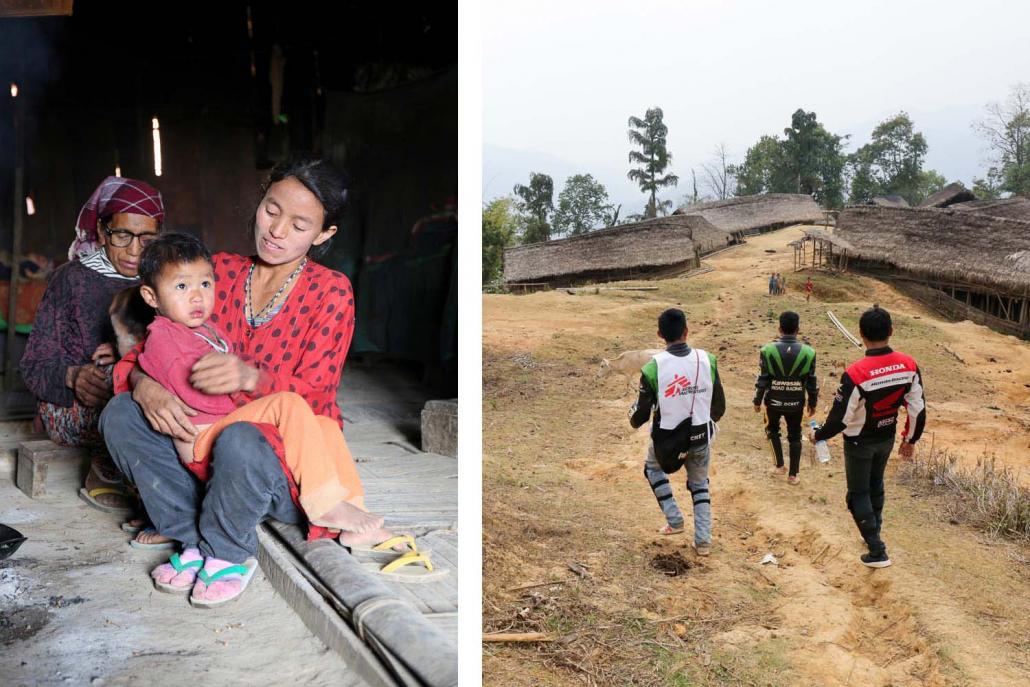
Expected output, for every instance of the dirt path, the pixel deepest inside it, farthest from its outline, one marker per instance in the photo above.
(563, 484)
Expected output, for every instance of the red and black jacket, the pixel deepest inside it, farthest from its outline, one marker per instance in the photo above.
(871, 391)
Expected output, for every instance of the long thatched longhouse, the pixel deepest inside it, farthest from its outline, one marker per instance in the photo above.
(1012, 208)
(653, 248)
(966, 264)
(949, 195)
(748, 215)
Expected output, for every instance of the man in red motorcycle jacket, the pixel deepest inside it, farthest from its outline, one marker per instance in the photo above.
(865, 410)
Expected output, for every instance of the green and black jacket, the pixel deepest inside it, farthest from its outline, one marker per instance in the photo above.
(787, 375)
(647, 398)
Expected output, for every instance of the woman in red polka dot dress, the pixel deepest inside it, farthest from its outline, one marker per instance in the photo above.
(289, 322)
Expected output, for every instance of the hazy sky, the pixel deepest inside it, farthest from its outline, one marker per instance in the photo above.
(560, 79)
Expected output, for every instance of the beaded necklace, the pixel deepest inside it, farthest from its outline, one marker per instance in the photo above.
(253, 318)
(216, 341)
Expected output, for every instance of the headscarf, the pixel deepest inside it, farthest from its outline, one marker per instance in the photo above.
(115, 194)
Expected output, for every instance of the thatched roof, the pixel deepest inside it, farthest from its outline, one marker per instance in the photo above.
(960, 246)
(614, 253)
(891, 201)
(949, 195)
(751, 214)
(1016, 207)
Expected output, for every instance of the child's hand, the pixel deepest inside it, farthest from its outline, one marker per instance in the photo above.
(104, 355)
(223, 373)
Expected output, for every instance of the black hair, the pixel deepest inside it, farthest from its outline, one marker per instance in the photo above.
(129, 308)
(173, 248)
(671, 324)
(875, 324)
(329, 184)
(789, 321)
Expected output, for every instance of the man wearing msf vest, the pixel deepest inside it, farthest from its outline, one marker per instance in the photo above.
(683, 389)
(786, 375)
(865, 409)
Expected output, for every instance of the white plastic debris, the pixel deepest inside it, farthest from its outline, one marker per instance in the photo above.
(769, 559)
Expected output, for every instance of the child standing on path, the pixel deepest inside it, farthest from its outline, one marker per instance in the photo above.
(809, 286)
(682, 387)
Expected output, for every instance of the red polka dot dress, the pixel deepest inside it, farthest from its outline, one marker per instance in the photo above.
(303, 347)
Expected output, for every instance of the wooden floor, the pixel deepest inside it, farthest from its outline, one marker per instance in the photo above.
(416, 492)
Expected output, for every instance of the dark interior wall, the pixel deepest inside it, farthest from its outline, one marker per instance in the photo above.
(91, 83)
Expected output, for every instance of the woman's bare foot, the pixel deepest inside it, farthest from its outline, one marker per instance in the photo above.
(345, 516)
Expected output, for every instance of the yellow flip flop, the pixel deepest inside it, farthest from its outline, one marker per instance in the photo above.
(414, 566)
(90, 497)
(387, 545)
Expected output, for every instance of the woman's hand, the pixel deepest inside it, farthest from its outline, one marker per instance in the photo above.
(104, 355)
(165, 411)
(91, 386)
(223, 373)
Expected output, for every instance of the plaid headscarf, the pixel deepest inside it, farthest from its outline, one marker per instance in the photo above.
(115, 194)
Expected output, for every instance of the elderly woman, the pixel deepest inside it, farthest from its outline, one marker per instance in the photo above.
(289, 322)
(67, 361)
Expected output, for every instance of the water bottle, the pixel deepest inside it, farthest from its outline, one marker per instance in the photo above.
(822, 451)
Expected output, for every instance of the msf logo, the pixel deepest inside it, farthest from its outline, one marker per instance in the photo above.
(677, 387)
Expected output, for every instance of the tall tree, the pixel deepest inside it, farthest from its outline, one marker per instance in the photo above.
(763, 170)
(809, 159)
(719, 176)
(649, 135)
(1006, 129)
(891, 163)
(814, 159)
(989, 187)
(499, 225)
(536, 203)
(582, 205)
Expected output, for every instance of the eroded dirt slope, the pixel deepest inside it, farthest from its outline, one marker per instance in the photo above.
(563, 485)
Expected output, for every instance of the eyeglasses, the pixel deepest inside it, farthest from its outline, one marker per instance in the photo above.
(122, 238)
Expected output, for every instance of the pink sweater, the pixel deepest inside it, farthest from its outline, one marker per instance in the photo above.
(169, 353)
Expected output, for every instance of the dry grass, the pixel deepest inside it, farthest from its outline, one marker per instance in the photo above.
(987, 496)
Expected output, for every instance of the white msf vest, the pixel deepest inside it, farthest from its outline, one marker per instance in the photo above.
(685, 388)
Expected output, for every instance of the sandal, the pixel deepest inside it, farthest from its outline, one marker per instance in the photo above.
(245, 569)
(155, 546)
(179, 566)
(794, 480)
(387, 547)
(105, 480)
(129, 527)
(90, 497)
(413, 566)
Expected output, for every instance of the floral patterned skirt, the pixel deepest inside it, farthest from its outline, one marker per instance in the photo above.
(75, 425)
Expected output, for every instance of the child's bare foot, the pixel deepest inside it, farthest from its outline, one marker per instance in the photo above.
(345, 516)
(150, 536)
(371, 538)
